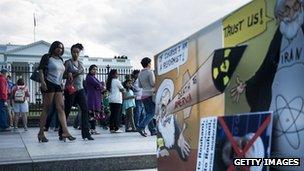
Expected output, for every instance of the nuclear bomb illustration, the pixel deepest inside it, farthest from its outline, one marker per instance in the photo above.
(211, 79)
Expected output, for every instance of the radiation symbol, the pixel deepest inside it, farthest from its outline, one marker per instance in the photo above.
(224, 64)
(224, 68)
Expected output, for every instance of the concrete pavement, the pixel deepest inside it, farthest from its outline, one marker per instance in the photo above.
(119, 151)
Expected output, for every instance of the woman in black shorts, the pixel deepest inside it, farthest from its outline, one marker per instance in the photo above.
(51, 69)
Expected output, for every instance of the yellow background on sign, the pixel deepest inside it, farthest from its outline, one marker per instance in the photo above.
(252, 59)
(246, 23)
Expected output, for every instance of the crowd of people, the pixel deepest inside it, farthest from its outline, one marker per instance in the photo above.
(64, 85)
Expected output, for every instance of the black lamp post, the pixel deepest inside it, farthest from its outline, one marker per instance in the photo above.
(108, 69)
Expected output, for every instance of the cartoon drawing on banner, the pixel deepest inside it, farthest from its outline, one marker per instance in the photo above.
(246, 23)
(172, 58)
(171, 135)
(278, 84)
(186, 111)
(200, 86)
(204, 84)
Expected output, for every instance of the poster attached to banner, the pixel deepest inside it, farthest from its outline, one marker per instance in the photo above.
(172, 58)
(224, 138)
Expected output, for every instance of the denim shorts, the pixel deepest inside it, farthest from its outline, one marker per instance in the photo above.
(21, 108)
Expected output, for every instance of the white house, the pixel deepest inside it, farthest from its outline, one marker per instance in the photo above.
(21, 60)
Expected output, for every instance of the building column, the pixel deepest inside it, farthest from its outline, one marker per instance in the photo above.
(9, 66)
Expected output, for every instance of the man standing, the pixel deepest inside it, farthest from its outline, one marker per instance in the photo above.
(138, 111)
(3, 101)
(146, 82)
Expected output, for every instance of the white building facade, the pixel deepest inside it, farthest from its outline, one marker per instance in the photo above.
(21, 60)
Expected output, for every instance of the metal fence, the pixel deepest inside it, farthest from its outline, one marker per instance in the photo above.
(35, 103)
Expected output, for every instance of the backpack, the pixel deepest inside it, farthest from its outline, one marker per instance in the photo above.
(19, 96)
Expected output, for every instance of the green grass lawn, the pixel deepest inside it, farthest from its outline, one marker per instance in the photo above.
(36, 113)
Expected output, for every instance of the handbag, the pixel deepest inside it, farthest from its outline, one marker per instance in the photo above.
(35, 76)
(70, 88)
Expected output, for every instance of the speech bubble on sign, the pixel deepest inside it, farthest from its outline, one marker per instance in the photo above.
(172, 58)
(245, 23)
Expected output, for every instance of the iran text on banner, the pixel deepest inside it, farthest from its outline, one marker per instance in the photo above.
(225, 137)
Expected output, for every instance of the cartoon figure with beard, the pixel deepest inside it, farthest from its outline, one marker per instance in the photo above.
(170, 133)
(278, 85)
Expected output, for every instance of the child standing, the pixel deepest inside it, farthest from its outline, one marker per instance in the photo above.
(20, 103)
(105, 111)
(128, 106)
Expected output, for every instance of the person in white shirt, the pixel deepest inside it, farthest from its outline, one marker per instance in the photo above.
(115, 89)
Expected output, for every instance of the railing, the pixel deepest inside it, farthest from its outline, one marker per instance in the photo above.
(35, 103)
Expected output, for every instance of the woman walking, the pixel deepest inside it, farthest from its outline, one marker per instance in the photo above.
(74, 91)
(115, 89)
(51, 71)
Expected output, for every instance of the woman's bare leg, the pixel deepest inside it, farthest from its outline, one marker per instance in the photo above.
(61, 115)
(47, 104)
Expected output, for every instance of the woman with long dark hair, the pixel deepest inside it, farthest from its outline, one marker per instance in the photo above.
(94, 89)
(51, 71)
(74, 72)
(115, 89)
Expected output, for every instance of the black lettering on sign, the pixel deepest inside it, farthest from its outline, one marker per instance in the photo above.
(292, 55)
(255, 18)
(298, 53)
(234, 28)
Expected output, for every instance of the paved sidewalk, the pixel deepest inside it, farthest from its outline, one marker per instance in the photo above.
(23, 147)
